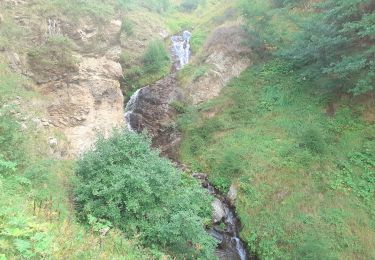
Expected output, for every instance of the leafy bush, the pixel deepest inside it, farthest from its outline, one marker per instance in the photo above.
(156, 57)
(126, 183)
(10, 137)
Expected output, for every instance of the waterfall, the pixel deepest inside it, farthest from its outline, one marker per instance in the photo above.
(181, 54)
(181, 49)
(240, 248)
(130, 108)
(227, 231)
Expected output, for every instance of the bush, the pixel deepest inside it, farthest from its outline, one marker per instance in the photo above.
(126, 184)
(156, 57)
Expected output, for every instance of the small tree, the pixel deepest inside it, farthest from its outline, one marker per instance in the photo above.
(126, 183)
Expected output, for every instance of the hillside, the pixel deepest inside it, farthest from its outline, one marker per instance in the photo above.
(261, 146)
(294, 137)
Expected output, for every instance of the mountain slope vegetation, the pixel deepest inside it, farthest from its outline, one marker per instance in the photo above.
(294, 132)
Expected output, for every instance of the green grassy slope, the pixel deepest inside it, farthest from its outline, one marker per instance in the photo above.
(306, 180)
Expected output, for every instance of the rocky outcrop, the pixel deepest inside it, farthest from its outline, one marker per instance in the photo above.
(88, 104)
(73, 65)
(152, 111)
(89, 101)
(226, 57)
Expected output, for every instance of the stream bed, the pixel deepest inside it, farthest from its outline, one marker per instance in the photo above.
(150, 109)
(226, 227)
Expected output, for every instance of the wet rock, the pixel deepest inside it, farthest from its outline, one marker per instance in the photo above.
(218, 235)
(218, 211)
(149, 110)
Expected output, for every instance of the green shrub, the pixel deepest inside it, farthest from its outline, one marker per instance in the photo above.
(199, 72)
(10, 137)
(156, 57)
(126, 184)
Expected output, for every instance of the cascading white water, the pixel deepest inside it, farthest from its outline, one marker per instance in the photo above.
(130, 107)
(180, 53)
(181, 49)
(240, 248)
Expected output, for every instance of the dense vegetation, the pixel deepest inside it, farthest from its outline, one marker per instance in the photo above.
(290, 133)
(125, 184)
(334, 39)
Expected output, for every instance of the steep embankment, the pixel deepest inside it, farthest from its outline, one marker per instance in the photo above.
(301, 155)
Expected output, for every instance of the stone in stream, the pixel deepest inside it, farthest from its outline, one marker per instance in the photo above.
(219, 211)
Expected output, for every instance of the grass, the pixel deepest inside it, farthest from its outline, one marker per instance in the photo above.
(99, 10)
(306, 180)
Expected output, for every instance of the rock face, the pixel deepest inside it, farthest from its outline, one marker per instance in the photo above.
(226, 58)
(152, 111)
(88, 104)
(86, 100)
(89, 101)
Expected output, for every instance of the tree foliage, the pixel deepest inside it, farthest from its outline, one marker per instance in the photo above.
(334, 39)
(126, 183)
